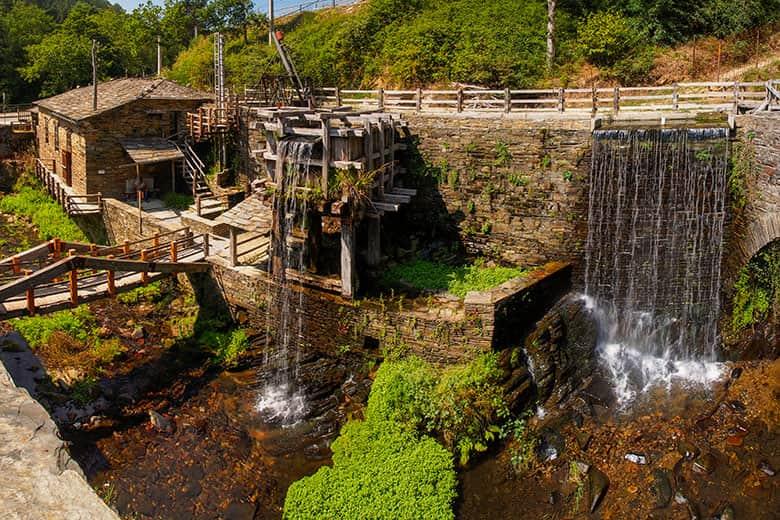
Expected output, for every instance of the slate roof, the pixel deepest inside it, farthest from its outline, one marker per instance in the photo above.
(149, 150)
(76, 104)
(252, 214)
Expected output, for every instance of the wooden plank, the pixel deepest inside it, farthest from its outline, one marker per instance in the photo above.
(38, 277)
(139, 267)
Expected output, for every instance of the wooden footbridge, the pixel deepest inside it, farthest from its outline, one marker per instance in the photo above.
(57, 274)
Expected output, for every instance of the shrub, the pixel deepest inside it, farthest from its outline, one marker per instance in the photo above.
(32, 202)
(606, 37)
(76, 323)
(757, 288)
(226, 347)
(462, 405)
(380, 471)
(148, 293)
(177, 200)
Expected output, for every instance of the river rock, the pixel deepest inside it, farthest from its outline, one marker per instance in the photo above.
(727, 513)
(597, 487)
(160, 423)
(736, 372)
(705, 463)
(737, 406)
(138, 333)
(687, 450)
(583, 439)
(240, 511)
(766, 468)
(661, 488)
(636, 458)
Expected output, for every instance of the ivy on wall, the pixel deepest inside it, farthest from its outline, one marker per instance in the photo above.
(743, 167)
(757, 289)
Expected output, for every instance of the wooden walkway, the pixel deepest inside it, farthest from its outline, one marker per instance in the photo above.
(66, 196)
(58, 275)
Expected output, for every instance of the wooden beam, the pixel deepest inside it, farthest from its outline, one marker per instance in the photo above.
(139, 267)
(348, 267)
(38, 277)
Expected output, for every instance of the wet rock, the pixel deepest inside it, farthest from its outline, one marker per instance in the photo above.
(138, 333)
(597, 487)
(191, 489)
(705, 424)
(736, 372)
(577, 419)
(734, 440)
(240, 511)
(583, 439)
(737, 406)
(582, 467)
(661, 488)
(554, 498)
(687, 450)
(160, 423)
(705, 463)
(551, 445)
(766, 468)
(727, 513)
(679, 498)
(636, 458)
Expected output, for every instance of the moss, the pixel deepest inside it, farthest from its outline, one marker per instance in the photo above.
(146, 293)
(743, 167)
(757, 289)
(177, 200)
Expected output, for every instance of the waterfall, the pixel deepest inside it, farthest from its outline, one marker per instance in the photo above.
(281, 401)
(653, 254)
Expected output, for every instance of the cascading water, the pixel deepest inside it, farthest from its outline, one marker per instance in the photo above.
(280, 400)
(653, 255)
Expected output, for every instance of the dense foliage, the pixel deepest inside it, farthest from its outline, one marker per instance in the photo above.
(380, 471)
(757, 289)
(458, 280)
(31, 201)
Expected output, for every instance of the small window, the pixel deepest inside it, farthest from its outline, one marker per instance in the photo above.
(56, 135)
(46, 130)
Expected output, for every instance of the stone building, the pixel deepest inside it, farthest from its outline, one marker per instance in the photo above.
(132, 133)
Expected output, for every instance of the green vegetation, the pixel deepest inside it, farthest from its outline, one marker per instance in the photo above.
(503, 155)
(743, 167)
(38, 330)
(380, 471)
(32, 202)
(177, 200)
(145, 293)
(458, 280)
(461, 405)
(757, 289)
(226, 347)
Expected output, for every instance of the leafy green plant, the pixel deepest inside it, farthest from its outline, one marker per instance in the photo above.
(108, 350)
(568, 176)
(503, 154)
(486, 228)
(31, 201)
(471, 207)
(37, 330)
(743, 167)
(452, 179)
(144, 293)
(546, 162)
(226, 347)
(177, 201)
(83, 390)
(517, 179)
(757, 288)
(380, 471)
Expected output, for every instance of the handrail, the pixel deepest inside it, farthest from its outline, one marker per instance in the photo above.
(689, 96)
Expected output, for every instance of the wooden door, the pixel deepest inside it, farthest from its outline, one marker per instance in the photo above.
(67, 160)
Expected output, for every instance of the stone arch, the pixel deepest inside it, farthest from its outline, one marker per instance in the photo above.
(759, 234)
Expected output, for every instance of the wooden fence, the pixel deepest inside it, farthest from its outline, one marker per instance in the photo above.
(72, 204)
(678, 97)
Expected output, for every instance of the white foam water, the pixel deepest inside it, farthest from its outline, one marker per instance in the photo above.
(281, 404)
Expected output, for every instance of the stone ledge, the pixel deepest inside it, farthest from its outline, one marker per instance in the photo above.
(38, 479)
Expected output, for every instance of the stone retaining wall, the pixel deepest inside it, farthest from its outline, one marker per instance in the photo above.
(38, 479)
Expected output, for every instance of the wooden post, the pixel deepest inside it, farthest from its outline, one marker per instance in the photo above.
(111, 280)
(174, 252)
(338, 96)
(561, 99)
(616, 100)
(57, 248)
(460, 100)
(374, 247)
(139, 195)
(595, 99)
(205, 245)
(126, 247)
(325, 155)
(676, 97)
(30, 296)
(347, 258)
(15, 264)
(156, 239)
(234, 248)
(381, 100)
(197, 204)
(92, 250)
(419, 99)
(100, 200)
(507, 100)
(73, 283)
(736, 97)
(144, 274)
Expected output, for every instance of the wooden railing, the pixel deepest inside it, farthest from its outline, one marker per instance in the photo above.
(208, 120)
(58, 270)
(19, 117)
(72, 203)
(678, 97)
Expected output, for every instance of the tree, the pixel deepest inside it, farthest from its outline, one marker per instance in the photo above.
(21, 25)
(550, 34)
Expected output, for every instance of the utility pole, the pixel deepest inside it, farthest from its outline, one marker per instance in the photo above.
(159, 57)
(270, 22)
(550, 34)
(94, 75)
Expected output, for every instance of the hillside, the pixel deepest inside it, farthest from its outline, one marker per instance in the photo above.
(395, 43)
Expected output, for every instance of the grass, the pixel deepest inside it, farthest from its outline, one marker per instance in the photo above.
(458, 280)
(38, 330)
(31, 201)
(177, 200)
(145, 293)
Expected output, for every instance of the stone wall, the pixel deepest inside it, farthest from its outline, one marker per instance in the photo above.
(755, 225)
(121, 223)
(513, 189)
(11, 143)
